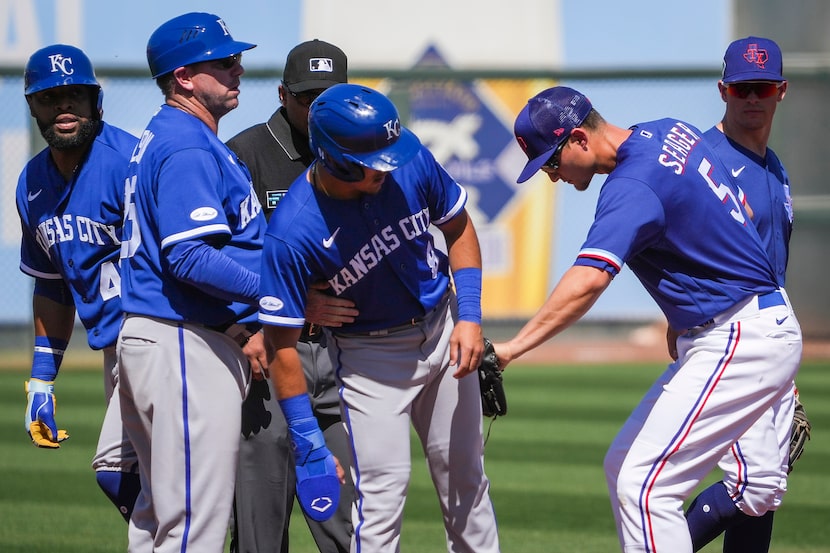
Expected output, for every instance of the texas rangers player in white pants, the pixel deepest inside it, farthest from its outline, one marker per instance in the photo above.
(668, 210)
(756, 468)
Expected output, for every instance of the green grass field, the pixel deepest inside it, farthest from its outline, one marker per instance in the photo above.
(544, 460)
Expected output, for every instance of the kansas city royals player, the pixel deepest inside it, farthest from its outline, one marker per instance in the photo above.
(668, 211)
(69, 200)
(277, 152)
(359, 219)
(191, 247)
(755, 468)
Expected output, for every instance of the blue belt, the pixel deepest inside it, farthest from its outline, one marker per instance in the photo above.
(771, 299)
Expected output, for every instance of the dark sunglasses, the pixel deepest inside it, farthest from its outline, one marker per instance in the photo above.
(760, 89)
(552, 164)
(305, 98)
(229, 62)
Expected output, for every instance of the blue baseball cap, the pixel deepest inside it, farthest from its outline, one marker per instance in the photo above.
(545, 122)
(752, 59)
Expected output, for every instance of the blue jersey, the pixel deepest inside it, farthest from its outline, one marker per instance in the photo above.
(72, 230)
(767, 188)
(670, 212)
(369, 250)
(183, 183)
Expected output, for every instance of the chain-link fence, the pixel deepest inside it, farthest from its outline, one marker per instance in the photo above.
(623, 97)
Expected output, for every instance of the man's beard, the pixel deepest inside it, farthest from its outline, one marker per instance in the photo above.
(86, 130)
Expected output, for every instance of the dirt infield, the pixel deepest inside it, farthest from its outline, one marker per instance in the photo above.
(582, 343)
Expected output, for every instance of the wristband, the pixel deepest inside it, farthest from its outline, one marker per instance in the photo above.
(47, 357)
(468, 293)
(296, 409)
(306, 437)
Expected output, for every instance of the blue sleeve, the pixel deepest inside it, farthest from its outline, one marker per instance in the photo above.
(189, 199)
(54, 289)
(629, 218)
(203, 266)
(284, 285)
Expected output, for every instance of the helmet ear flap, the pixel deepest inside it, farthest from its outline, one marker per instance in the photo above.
(338, 165)
(348, 171)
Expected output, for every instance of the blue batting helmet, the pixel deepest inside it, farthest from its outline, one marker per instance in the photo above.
(58, 65)
(61, 65)
(190, 38)
(352, 126)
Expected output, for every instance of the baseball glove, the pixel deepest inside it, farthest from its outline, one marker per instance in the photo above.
(493, 400)
(800, 432)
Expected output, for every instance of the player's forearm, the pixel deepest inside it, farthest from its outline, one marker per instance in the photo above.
(213, 272)
(52, 319)
(53, 323)
(463, 248)
(285, 367)
(577, 291)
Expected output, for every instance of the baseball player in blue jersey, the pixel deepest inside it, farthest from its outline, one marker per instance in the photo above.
(69, 200)
(191, 248)
(755, 468)
(669, 211)
(359, 219)
(277, 152)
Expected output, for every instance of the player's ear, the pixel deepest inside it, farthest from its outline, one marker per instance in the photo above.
(722, 90)
(579, 137)
(183, 76)
(782, 91)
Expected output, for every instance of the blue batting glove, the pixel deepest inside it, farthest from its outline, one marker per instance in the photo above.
(40, 414)
(318, 488)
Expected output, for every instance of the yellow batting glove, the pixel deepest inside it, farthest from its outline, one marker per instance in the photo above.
(40, 414)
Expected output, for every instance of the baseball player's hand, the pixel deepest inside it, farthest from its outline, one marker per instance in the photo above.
(466, 348)
(40, 414)
(503, 353)
(255, 351)
(326, 310)
(319, 474)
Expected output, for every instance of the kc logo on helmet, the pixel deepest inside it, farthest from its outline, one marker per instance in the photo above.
(224, 27)
(59, 64)
(393, 129)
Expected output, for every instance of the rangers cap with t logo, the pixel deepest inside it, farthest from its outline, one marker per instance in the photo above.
(752, 59)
